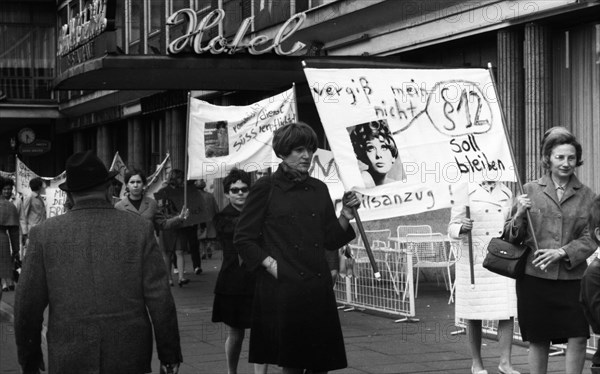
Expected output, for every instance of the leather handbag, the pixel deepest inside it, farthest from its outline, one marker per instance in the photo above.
(505, 258)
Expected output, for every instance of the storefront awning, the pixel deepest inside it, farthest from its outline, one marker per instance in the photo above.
(223, 73)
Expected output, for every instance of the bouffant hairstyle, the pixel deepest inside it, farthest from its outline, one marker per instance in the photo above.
(133, 172)
(553, 138)
(294, 135)
(234, 176)
(361, 134)
(36, 184)
(594, 219)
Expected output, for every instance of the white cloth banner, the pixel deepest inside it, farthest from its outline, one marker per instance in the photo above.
(159, 178)
(411, 139)
(54, 197)
(224, 137)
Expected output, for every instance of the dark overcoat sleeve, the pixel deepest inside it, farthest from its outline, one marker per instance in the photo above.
(159, 301)
(31, 299)
(248, 230)
(335, 236)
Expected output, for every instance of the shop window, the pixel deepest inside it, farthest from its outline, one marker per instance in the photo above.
(134, 20)
(270, 12)
(155, 16)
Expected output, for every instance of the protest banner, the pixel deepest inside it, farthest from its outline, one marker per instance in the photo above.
(55, 197)
(411, 139)
(159, 178)
(118, 165)
(223, 137)
(324, 168)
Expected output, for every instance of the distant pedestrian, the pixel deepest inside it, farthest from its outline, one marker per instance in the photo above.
(9, 239)
(173, 240)
(493, 297)
(207, 232)
(548, 294)
(286, 226)
(235, 284)
(100, 272)
(195, 204)
(590, 283)
(33, 211)
(137, 203)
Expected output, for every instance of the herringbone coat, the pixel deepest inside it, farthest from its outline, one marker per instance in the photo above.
(100, 272)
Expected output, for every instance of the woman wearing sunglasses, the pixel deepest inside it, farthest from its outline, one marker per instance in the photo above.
(235, 284)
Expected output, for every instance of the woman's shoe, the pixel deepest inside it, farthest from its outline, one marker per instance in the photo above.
(181, 282)
(5, 289)
(479, 371)
(11, 287)
(512, 371)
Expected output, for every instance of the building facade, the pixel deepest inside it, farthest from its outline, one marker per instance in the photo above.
(122, 84)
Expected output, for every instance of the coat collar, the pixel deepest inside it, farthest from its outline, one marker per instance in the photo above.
(145, 205)
(550, 189)
(279, 179)
(92, 204)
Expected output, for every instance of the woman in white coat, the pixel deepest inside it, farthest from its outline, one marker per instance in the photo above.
(494, 296)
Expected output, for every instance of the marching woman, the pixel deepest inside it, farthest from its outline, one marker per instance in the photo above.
(286, 226)
(235, 284)
(137, 203)
(9, 238)
(548, 294)
(493, 297)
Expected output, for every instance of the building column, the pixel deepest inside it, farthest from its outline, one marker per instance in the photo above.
(511, 88)
(538, 93)
(175, 122)
(135, 143)
(78, 142)
(103, 146)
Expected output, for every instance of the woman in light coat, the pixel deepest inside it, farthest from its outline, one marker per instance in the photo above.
(548, 304)
(137, 203)
(493, 297)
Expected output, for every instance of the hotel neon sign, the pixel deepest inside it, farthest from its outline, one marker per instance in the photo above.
(258, 45)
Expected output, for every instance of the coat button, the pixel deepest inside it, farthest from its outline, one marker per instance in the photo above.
(305, 188)
(319, 275)
(301, 273)
(313, 214)
(316, 245)
(296, 246)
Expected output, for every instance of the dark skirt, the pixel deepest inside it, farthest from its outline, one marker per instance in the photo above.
(549, 310)
(233, 310)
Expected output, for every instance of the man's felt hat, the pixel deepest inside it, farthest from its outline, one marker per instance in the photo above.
(84, 171)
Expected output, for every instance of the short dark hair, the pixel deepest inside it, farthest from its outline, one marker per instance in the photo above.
(133, 172)
(234, 176)
(6, 182)
(594, 219)
(294, 135)
(362, 133)
(174, 174)
(553, 138)
(36, 184)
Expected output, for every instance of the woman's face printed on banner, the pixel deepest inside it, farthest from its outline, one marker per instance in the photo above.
(375, 150)
(380, 156)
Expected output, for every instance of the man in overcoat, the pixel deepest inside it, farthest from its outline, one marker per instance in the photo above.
(100, 272)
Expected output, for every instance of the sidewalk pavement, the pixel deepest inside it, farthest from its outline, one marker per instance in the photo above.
(374, 343)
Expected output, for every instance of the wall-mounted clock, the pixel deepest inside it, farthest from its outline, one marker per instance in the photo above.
(26, 135)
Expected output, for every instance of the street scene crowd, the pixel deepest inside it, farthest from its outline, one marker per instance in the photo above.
(280, 237)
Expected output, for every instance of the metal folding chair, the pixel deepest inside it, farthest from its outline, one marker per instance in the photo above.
(430, 251)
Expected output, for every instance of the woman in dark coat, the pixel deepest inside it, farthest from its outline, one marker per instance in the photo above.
(548, 295)
(235, 284)
(9, 237)
(284, 230)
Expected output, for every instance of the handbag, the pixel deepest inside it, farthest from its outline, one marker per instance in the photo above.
(505, 258)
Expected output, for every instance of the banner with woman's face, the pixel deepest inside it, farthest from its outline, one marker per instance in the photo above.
(409, 139)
